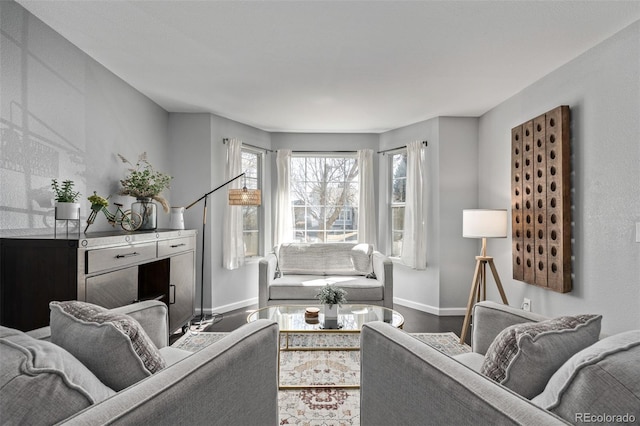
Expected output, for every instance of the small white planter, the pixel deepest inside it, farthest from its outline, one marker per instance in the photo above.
(330, 316)
(67, 211)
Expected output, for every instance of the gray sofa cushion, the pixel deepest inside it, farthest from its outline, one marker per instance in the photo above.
(37, 370)
(523, 357)
(306, 287)
(601, 379)
(113, 346)
(324, 259)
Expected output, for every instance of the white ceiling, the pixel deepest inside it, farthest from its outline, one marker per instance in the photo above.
(333, 66)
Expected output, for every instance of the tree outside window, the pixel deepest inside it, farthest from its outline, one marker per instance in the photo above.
(251, 164)
(324, 196)
(398, 198)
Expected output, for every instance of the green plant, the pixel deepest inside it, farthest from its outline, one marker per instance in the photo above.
(332, 295)
(64, 192)
(144, 182)
(97, 202)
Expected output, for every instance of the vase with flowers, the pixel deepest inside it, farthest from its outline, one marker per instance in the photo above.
(331, 297)
(145, 184)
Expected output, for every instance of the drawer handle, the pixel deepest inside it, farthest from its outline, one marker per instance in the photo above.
(178, 245)
(172, 287)
(121, 256)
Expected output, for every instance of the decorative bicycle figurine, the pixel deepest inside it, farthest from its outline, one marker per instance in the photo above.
(128, 220)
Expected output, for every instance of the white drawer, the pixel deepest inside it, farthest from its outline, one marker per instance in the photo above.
(118, 257)
(176, 245)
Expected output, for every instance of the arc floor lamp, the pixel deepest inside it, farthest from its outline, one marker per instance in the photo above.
(237, 197)
(482, 223)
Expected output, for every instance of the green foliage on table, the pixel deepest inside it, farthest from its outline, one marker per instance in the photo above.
(332, 295)
(64, 192)
(145, 182)
(97, 202)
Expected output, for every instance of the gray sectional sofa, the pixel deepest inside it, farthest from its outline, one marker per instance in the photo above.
(231, 382)
(406, 382)
(295, 272)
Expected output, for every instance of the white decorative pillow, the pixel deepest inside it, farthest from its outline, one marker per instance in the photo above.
(361, 258)
(37, 370)
(603, 378)
(114, 347)
(524, 356)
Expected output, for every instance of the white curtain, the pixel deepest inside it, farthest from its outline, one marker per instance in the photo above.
(284, 219)
(414, 244)
(366, 206)
(232, 241)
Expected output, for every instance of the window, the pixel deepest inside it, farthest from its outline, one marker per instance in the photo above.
(398, 198)
(324, 196)
(251, 215)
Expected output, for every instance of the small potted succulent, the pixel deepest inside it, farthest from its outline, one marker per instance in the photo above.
(331, 297)
(67, 207)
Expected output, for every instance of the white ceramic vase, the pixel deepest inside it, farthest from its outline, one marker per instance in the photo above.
(67, 211)
(176, 220)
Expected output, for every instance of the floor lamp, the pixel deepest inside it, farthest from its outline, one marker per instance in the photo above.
(237, 197)
(480, 223)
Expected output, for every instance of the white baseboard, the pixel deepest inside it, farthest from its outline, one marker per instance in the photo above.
(442, 312)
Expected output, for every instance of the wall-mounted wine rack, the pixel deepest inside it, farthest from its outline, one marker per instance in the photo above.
(541, 200)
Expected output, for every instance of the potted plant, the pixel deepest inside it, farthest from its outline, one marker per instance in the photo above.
(331, 297)
(67, 207)
(146, 184)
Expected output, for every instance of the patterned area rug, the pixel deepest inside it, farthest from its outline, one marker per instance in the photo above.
(322, 406)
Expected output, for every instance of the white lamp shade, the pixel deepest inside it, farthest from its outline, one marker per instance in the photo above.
(484, 223)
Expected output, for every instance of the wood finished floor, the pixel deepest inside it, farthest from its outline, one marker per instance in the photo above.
(414, 322)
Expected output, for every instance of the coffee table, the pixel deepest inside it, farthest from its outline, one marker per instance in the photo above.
(291, 318)
(351, 318)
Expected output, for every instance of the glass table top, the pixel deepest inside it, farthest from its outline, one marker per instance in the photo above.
(350, 317)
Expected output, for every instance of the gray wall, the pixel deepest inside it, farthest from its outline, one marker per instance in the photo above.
(602, 88)
(452, 171)
(199, 157)
(64, 116)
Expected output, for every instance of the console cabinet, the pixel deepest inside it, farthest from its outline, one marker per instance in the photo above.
(109, 269)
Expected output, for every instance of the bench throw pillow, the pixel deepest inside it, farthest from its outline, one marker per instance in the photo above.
(603, 379)
(41, 383)
(523, 357)
(113, 346)
(361, 258)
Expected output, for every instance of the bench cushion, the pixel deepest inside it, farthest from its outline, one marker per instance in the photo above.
(306, 287)
(325, 259)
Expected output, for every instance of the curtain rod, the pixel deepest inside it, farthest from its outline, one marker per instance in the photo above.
(319, 151)
(400, 147)
(225, 140)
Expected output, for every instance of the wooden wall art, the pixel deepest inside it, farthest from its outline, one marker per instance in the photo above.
(541, 200)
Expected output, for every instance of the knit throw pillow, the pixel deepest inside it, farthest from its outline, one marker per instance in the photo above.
(113, 346)
(523, 357)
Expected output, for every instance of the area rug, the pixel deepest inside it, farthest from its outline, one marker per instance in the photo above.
(322, 406)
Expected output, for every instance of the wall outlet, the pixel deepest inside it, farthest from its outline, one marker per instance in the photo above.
(526, 305)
